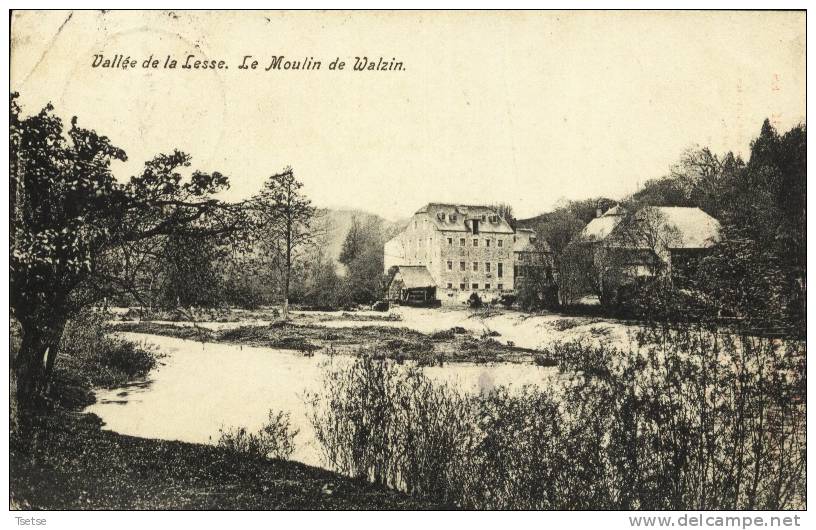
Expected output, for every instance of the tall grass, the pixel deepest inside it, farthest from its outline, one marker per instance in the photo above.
(697, 421)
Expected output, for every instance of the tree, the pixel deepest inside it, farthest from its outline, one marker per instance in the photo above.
(362, 254)
(699, 179)
(537, 289)
(323, 288)
(577, 274)
(283, 225)
(69, 217)
(189, 265)
(354, 243)
(587, 209)
(561, 227)
(553, 236)
(637, 248)
(764, 234)
(506, 211)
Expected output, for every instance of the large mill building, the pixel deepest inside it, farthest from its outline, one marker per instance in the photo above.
(449, 251)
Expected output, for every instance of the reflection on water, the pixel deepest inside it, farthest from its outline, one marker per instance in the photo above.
(199, 388)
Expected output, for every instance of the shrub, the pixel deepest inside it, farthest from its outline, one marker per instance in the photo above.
(543, 360)
(475, 301)
(563, 324)
(275, 439)
(104, 360)
(697, 421)
(444, 334)
(391, 425)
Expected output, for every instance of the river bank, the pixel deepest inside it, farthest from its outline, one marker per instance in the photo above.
(72, 464)
(67, 461)
(339, 334)
(516, 329)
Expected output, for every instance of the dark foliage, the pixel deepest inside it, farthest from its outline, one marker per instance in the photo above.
(697, 421)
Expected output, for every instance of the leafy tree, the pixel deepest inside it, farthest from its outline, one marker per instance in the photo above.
(68, 219)
(698, 179)
(577, 273)
(506, 211)
(561, 227)
(355, 242)
(758, 271)
(554, 231)
(587, 209)
(666, 191)
(245, 281)
(323, 287)
(537, 290)
(191, 274)
(362, 254)
(744, 280)
(283, 225)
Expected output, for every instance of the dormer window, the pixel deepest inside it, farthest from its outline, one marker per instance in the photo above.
(452, 217)
(440, 216)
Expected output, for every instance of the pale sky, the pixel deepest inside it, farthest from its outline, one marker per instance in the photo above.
(524, 108)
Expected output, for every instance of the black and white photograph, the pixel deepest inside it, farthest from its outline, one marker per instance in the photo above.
(408, 260)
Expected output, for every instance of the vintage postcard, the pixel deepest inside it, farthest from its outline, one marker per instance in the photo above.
(408, 260)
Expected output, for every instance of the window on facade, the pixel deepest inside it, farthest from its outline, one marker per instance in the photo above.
(461, 265)
(499, 270)
(461, 286)
(450, 241)
(487, 266)
(500, 287)
(475, 266)
(487, 242)
(462, 242)
(487, 287)
(450, 285)
(500, 242)
(515, 270)
(450, 265)
(475, 286)
(475, 241)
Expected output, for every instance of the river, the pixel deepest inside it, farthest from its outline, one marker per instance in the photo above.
(201, 387)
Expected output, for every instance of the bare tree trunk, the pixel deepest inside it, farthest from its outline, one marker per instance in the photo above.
(286, 292)
(52, 352)
(35, 360)
(29, 367)
(288, 273)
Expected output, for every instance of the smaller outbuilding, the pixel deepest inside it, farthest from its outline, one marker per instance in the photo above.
(412, 285)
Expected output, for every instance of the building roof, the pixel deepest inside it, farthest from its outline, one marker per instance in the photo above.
(615, 210)
(695, 228)
(600, 227)
(440, 215)
(413, 276)
(525, 241)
